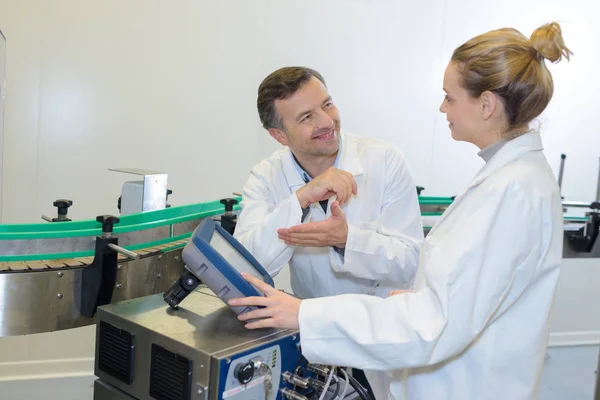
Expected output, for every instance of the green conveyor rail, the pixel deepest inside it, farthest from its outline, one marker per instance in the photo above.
(575, 219)
(128, 223)
(141, 221)
(435, 201)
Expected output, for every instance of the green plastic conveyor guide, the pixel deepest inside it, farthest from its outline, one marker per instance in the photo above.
(148, 220)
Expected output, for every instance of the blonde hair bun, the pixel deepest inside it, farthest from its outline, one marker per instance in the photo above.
(547, 40)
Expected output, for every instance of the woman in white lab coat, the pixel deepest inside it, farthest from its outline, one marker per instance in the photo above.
(476, 325)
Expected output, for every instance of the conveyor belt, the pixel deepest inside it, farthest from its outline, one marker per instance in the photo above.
(81, 262)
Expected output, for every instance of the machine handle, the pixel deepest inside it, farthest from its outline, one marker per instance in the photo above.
(63, 206)
(124, 251)
(107, 222)
(229, 203)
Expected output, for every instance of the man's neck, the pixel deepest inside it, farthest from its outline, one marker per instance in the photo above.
(315, 166)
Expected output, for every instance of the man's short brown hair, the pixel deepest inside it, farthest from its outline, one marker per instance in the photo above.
(279, 85)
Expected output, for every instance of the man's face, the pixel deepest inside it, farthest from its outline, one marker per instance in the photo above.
(311, 121)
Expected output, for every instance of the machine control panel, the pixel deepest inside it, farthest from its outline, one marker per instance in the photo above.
(253, 376)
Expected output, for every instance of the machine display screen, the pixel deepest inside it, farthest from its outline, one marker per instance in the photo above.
(233, 257)
(218, 259)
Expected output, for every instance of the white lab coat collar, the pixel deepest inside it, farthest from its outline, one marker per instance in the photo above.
(512, 150)
(349, 162)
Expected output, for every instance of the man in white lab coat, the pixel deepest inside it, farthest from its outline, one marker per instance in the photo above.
(341, 209)
(477, 323)
(364, 240)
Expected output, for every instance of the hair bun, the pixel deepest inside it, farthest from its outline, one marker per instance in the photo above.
(547, 40)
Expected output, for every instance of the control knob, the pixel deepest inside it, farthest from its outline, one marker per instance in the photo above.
(244, 372)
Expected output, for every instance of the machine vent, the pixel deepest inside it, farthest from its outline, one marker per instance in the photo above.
(115, 352)
(170, 375)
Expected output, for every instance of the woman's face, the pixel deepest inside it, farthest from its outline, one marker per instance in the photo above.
(462, 111)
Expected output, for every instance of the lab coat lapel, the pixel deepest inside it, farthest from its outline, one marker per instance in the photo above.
(350, 160)
(511, 151)
(292, 176)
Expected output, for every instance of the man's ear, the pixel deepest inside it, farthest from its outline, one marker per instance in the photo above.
(279, 135)
(489, 104)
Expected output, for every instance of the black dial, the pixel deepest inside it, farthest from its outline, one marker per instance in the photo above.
(244, 372)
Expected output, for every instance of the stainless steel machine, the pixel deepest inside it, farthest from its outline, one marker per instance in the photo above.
(147, 350)
(159, 347)
(53, 276)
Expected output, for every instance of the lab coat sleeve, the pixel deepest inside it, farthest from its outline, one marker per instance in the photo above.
(472, 277)
(387, 248)
(259, 220)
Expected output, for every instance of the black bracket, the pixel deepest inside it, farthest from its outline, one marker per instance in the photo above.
(183, 286)
(229, 219)
(584, 239)
(98, 279)
(169, 192)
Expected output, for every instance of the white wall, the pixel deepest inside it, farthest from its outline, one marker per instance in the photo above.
(172, 86)
(568, 125)
(2, 83)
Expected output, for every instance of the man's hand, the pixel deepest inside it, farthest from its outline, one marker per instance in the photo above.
(331, 232)
(331, 182)
(280, 309)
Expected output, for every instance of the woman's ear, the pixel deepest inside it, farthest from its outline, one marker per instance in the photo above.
(489, 103)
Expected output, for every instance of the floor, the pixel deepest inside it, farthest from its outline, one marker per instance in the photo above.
(569, 373)
(71, 388)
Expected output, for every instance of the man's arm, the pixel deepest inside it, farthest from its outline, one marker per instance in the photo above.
(388, 247)
(259, 220)
(262, 217)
